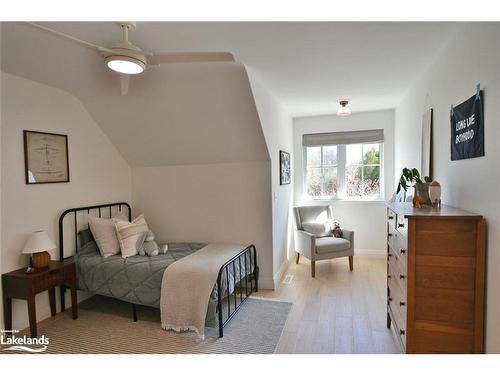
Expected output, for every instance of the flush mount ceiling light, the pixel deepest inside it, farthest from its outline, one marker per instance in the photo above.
(344, 110)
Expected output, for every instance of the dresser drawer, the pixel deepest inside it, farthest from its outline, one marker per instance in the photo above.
(401, 224)
(391, 219)
(397, 278)
(398, 309)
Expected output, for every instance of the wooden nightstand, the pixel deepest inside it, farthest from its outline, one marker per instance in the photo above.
(21, 285)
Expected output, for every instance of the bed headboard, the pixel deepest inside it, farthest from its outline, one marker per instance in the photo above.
(102, 210)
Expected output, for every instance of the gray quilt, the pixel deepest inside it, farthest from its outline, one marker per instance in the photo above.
(135, 279)
(138, 279)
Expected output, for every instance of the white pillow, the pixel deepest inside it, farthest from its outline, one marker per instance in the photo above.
(104, 234)
(318, 229)
(131, 236)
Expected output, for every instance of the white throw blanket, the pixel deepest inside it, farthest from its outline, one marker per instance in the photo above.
(187, 285)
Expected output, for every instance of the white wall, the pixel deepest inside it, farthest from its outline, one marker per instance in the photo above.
(367, 219)
(277, 126)
(472, 57)
(229, 202)
(98, 173)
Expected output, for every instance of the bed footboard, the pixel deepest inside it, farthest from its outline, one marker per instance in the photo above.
(244, 283)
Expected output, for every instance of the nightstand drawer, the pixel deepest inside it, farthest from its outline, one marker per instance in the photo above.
(48, 281)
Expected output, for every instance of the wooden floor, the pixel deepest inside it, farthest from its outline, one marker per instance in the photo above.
(338, 311)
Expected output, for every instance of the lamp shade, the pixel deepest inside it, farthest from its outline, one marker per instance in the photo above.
(37, 242)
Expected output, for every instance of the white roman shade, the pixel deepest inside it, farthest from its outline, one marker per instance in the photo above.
(343, 138)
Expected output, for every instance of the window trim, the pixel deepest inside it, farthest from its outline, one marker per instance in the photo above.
(341, 168)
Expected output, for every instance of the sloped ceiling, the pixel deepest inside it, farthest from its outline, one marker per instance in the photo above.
(173, 115)
(307, 66)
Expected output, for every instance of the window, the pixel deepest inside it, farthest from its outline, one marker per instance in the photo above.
(322, 171)
(362, 170)
(343, 171)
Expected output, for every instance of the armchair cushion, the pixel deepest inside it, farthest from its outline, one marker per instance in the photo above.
(331, 244)
(318, 229)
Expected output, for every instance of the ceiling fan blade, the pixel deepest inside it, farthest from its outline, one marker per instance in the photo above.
(188, 57)
(72, 38)
(124, 84)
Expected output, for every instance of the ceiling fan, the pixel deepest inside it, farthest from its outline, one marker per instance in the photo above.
(128, 59)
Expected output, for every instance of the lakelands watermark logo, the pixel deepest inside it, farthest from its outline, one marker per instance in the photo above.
(23, 343)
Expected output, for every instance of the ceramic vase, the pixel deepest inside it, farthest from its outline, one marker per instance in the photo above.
(435, 193)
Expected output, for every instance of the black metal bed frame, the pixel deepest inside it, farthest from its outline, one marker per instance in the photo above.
(249, 254)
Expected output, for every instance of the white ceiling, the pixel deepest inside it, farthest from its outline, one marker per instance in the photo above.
(308, 66)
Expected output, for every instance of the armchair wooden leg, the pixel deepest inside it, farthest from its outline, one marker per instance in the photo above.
(351, 259)
(313, 268)
(297, 259)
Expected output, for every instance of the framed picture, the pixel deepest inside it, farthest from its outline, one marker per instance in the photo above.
(45, 157)
(285, 168)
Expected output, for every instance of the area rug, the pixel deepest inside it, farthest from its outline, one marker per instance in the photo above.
(105, 326)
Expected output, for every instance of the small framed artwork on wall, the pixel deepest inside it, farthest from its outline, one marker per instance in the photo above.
(285, 168)
(45, 157)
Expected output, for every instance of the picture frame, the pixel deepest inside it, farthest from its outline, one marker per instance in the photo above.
(285, 168)
(46, 157)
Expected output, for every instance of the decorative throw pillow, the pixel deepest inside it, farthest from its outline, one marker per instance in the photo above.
(104, 234)
(318, 229)
(131, 236)
(337, 230)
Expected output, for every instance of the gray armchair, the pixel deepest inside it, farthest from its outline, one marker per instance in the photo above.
(314, 247)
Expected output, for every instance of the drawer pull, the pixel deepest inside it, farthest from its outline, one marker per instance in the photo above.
(400, 225)
(389, 234)
(402, 332)
(389, 255)
(391, 217)
(388, 276)
(402, 251)
(402, 303)
(401, 276)
(390, 299)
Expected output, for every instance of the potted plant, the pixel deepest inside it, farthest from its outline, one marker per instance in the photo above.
(412, 176)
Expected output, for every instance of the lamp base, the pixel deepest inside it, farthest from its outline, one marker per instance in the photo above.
(40, 260)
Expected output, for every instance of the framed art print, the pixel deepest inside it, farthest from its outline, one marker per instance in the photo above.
(45, 157)
(285, 168)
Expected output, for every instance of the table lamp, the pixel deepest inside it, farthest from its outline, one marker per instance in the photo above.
(37, 246)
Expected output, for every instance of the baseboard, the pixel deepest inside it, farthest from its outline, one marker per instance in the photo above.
(373, 253)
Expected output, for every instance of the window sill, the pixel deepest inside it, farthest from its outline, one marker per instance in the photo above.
(339, 200)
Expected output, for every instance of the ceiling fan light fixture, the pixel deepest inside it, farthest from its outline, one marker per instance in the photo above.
(125, 64)
(344, 109)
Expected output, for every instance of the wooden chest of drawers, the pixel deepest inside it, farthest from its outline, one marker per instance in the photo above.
(435, 278)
